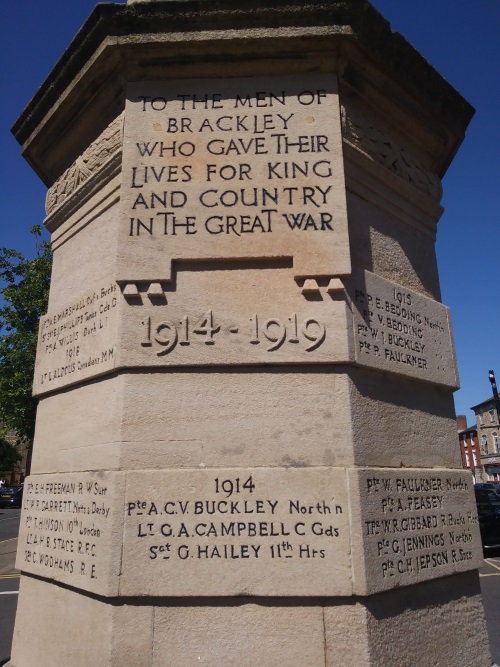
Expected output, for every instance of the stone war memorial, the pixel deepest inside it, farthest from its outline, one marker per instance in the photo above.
(245, 447)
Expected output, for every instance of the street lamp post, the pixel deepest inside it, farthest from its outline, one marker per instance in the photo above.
(496, 398)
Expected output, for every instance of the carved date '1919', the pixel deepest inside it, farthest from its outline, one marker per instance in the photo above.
(168, 334)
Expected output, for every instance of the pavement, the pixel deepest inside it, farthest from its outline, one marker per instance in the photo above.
(9, 578)
(489, 577)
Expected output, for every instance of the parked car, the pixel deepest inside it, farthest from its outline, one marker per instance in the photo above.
(488, 486)
(488, 510)
(11, 496)
(496, 485)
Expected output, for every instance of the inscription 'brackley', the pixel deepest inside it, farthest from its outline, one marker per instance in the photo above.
(234, 168)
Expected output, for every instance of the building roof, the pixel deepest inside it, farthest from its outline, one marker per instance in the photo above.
(488, 400)
(468, 430)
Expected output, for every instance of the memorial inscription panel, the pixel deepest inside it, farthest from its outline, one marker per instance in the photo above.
(220, 317)
(231, 169)
(237, 532)
(229, 317)
(77, 341)
(401, 331)
(70, 529)
(415, 525)
(255, 531)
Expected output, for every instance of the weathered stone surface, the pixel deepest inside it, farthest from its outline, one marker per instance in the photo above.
(49, 627)
(407, 626)
(376, 144)
(88, 428)
(231, 169)
(248, 531)
(258, 531)
(56, 625)
(416, 525)
(374, 323)
(239, 635)
(232, 317)
(401, 331)
(84, 240)
(71, 529)
(78, 341)
(245, 346)
(210, 532)
(421, 422)
(367, 630)
(90, 163)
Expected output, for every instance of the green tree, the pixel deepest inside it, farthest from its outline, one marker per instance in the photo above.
(24, 291)
(9, 456)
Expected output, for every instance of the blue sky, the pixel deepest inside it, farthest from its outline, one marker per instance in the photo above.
(458, 37)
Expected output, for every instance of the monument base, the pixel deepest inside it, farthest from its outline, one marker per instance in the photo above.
(245, 444)
(409, 627)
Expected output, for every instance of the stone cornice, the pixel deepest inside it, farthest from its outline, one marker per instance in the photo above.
(115, 44)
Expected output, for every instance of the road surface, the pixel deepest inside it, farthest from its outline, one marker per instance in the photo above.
(9, 578)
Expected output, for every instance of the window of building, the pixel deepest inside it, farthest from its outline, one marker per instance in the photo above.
(496, 443)
(484, 443)
(492, 415)
(481, 416)
(474, 459)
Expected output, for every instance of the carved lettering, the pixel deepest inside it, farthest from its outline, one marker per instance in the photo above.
(163, 336)
(66, 528)
(401, 331)
(244, 172)
(418, 527)
(235, 523)
(77, 341)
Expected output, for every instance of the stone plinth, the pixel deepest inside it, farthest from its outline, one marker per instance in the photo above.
(245, 447)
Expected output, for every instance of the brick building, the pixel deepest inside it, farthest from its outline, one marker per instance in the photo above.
(469, 445)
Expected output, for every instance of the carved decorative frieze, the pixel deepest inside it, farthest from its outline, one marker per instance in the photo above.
(366, 138)
(89, 163)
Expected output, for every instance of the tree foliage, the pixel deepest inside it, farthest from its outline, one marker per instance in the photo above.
(24, 291)
(9, 456)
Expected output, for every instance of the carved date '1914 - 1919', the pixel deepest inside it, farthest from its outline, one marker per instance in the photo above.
(272, 332)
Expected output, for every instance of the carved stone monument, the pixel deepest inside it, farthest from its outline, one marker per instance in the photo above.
(245, 448)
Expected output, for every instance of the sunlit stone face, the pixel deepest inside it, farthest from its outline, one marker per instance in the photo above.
(245, 447)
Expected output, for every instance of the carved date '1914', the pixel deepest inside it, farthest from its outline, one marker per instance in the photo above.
(273, 330)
